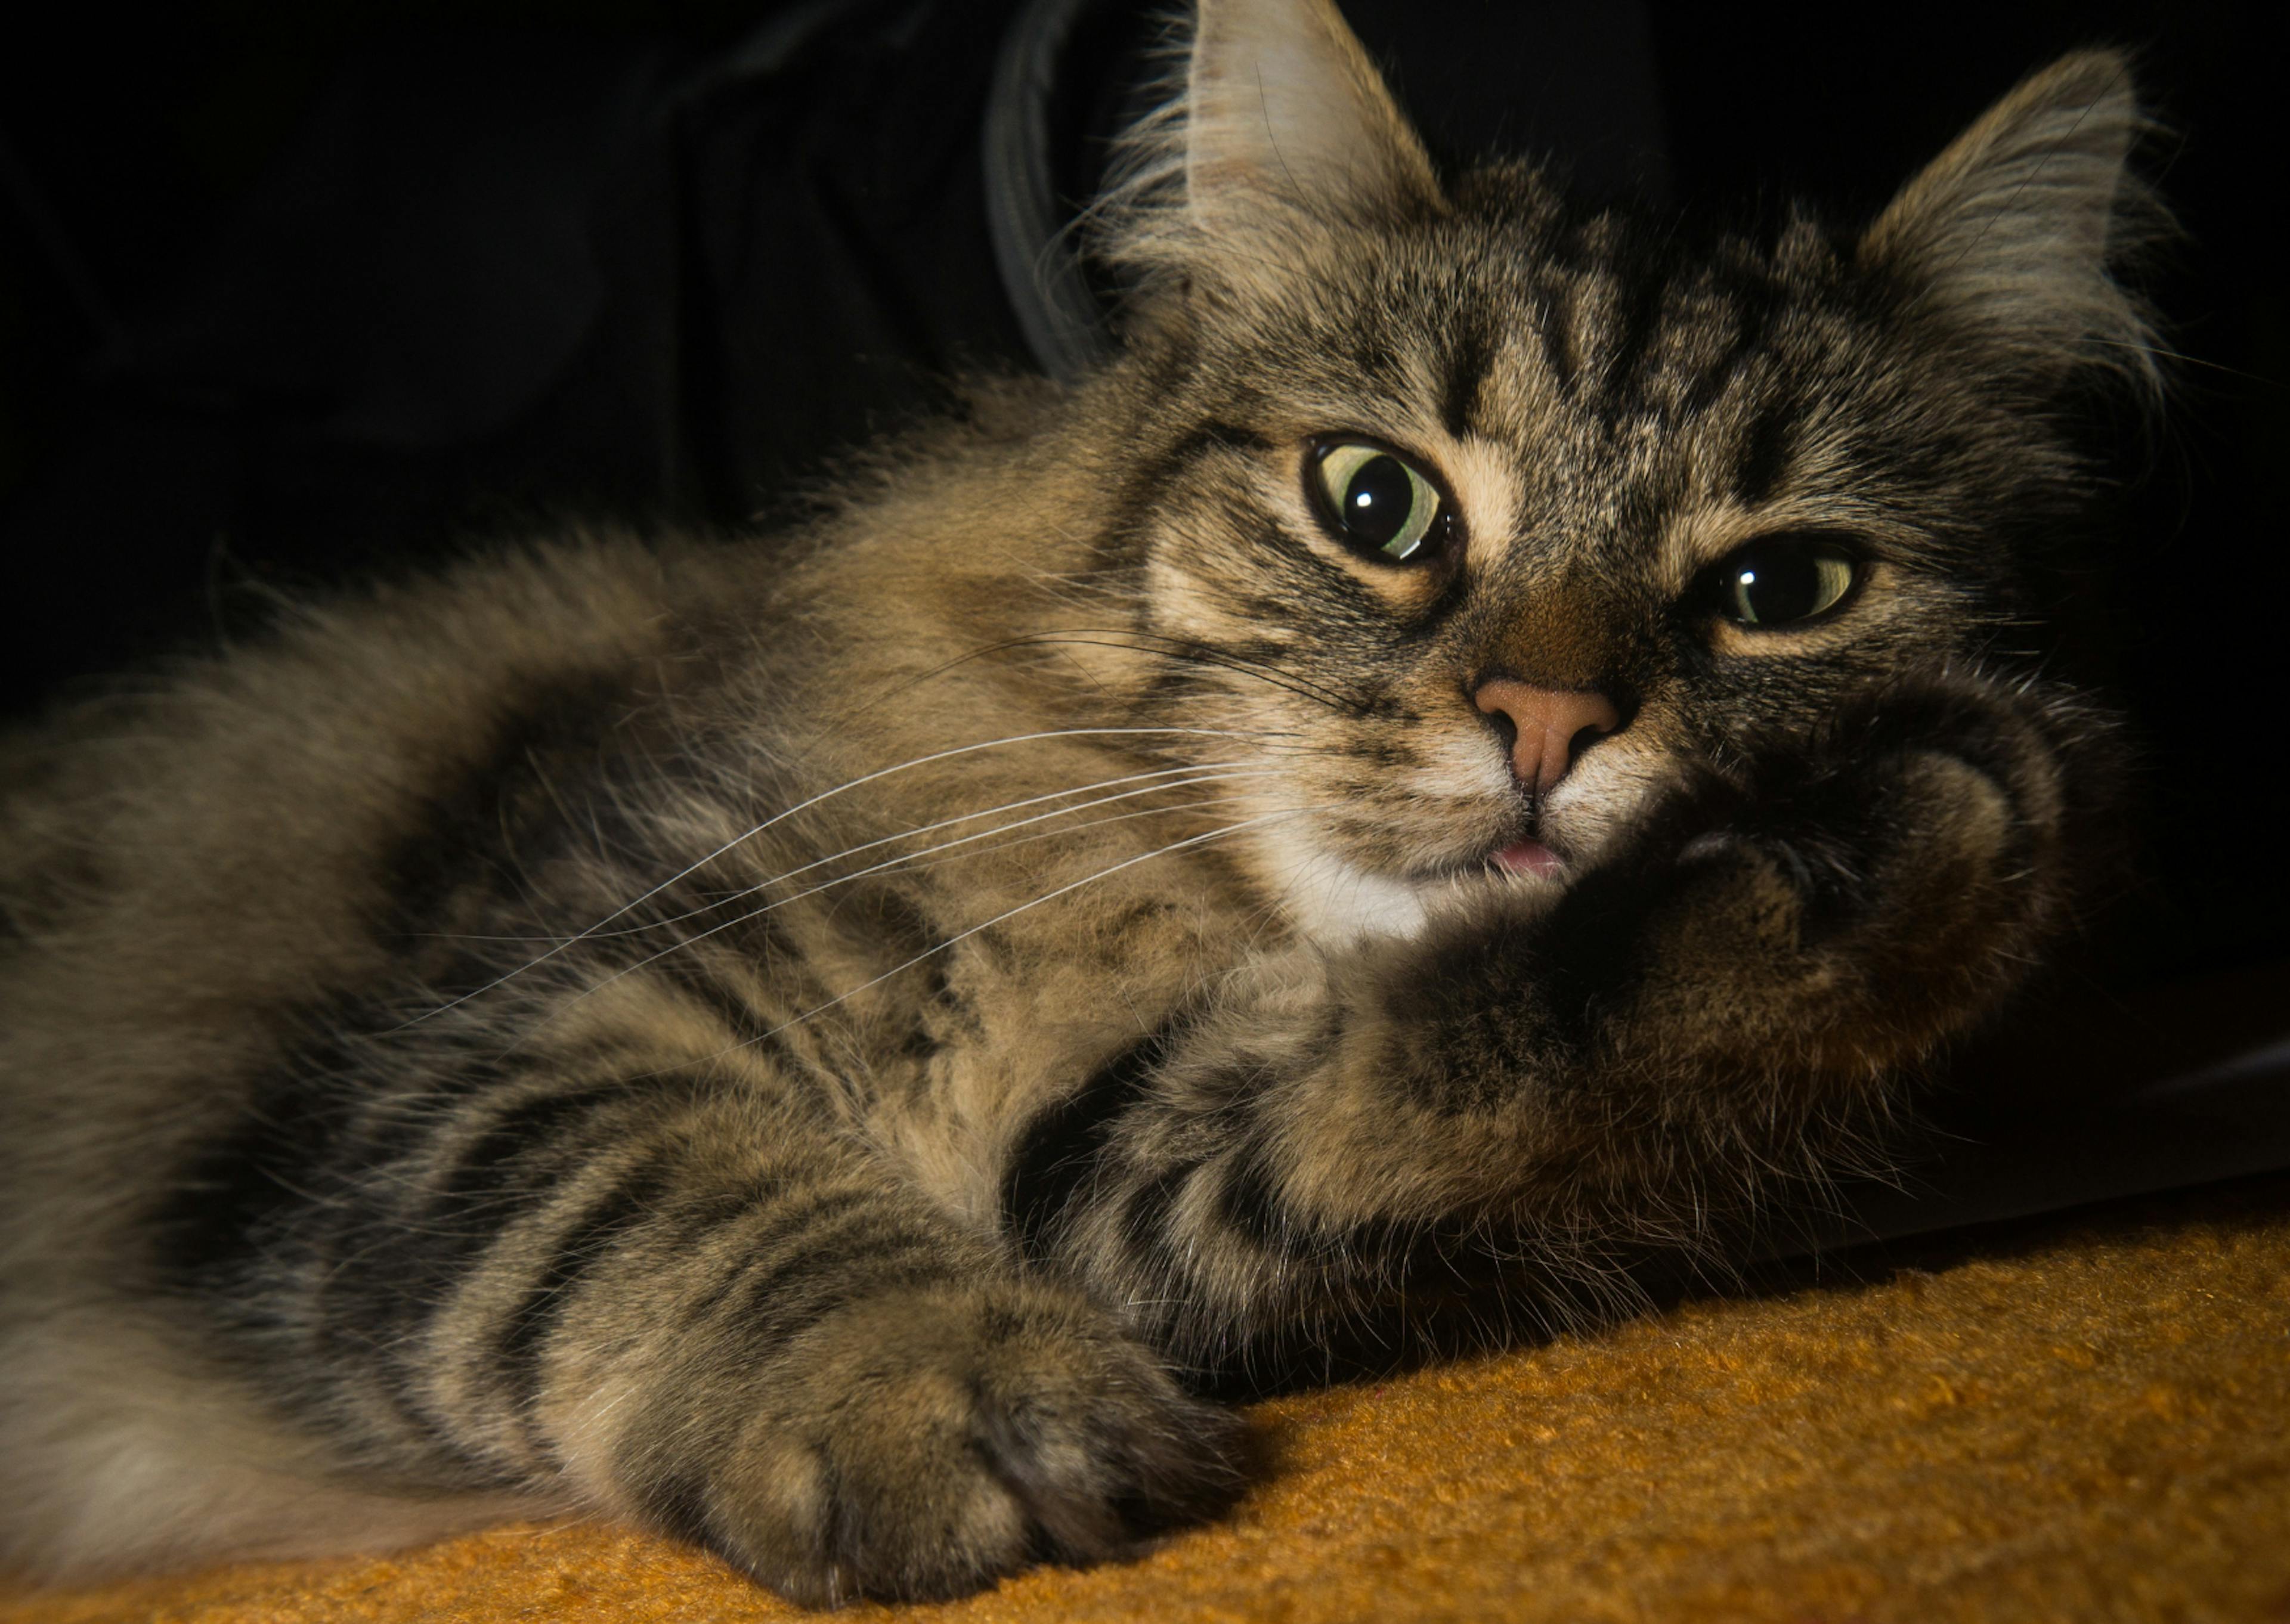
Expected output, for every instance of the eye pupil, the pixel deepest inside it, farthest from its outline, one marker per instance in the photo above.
(1379, 498)
(1787, 592)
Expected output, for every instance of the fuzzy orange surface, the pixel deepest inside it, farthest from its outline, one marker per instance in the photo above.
(2086, 1418)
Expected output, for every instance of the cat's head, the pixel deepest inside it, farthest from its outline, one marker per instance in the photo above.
(1495, 510)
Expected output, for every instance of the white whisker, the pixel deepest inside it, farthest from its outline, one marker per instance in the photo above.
(1149, 811)
(1011, 913)
(1176, 774)
(804, 805)
(901, 861)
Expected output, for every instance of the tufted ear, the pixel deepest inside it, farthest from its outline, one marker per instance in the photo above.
(2012, 230)
(1278, 121)
(1281, 103)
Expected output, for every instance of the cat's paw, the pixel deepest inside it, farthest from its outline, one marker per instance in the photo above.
(1849, 902)
(1938, 814)
(925, 1443)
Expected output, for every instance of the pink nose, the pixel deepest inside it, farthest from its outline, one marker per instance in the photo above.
(1551, 723)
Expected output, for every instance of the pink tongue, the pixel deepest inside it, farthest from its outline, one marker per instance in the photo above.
(1529, 857)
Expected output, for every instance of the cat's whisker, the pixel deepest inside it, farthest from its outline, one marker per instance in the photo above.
(888, 865)
(804, 805)
(1174, 774)
(906, 861)
(2180, 357)
(915, 861)
(1177, 777)
(1150, 811)
(1174, 847)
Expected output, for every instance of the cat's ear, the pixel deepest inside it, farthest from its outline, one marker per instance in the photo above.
(2013, 233)
(1282, 106)
(1278, 121)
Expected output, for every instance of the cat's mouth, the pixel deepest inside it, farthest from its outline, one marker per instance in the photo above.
(1517, 854)
(1527, 856)
(1527, 847)
(1335, 894)
(1336, 897)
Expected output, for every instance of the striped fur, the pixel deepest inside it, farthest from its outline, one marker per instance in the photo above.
(827, 1049)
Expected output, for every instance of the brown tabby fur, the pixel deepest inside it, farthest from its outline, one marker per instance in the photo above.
(807, 1046)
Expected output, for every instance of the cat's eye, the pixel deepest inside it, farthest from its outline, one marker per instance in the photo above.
(1377, 501)
(1783, 581)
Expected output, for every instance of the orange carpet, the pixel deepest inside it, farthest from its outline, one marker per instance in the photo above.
(2086, 1417)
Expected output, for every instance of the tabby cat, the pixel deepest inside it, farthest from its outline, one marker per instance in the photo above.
(1483, 745)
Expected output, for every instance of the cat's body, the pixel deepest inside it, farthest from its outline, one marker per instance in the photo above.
(794, 1045)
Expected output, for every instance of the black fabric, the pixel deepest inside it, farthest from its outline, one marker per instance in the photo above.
(500, 276)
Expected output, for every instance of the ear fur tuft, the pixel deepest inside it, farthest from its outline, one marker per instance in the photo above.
(2015, 231)
(1277, 125)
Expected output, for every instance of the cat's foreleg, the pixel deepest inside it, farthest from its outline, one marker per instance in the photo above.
(679, 1293)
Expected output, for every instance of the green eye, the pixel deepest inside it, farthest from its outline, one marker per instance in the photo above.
(1376, 501)
(1780, 581)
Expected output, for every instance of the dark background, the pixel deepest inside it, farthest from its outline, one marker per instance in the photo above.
(153, 162)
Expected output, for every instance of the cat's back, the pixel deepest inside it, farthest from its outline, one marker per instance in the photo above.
(223, 840)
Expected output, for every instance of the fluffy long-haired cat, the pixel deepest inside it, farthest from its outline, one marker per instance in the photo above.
(1483, 745)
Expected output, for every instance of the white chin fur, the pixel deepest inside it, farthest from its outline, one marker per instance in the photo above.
(1334, 903)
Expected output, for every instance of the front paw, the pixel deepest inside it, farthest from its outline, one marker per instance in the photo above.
(1859, 899)
(925, 1444)
(1930, 822)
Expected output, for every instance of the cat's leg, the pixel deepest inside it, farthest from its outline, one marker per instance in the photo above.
(667, 1287)
(1567, 1077)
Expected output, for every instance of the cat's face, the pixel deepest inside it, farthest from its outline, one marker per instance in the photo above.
(1495, 514)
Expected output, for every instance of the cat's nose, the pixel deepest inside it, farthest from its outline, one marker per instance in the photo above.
(1550, 726)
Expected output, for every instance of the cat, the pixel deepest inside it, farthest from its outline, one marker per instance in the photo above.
(1485, 744)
